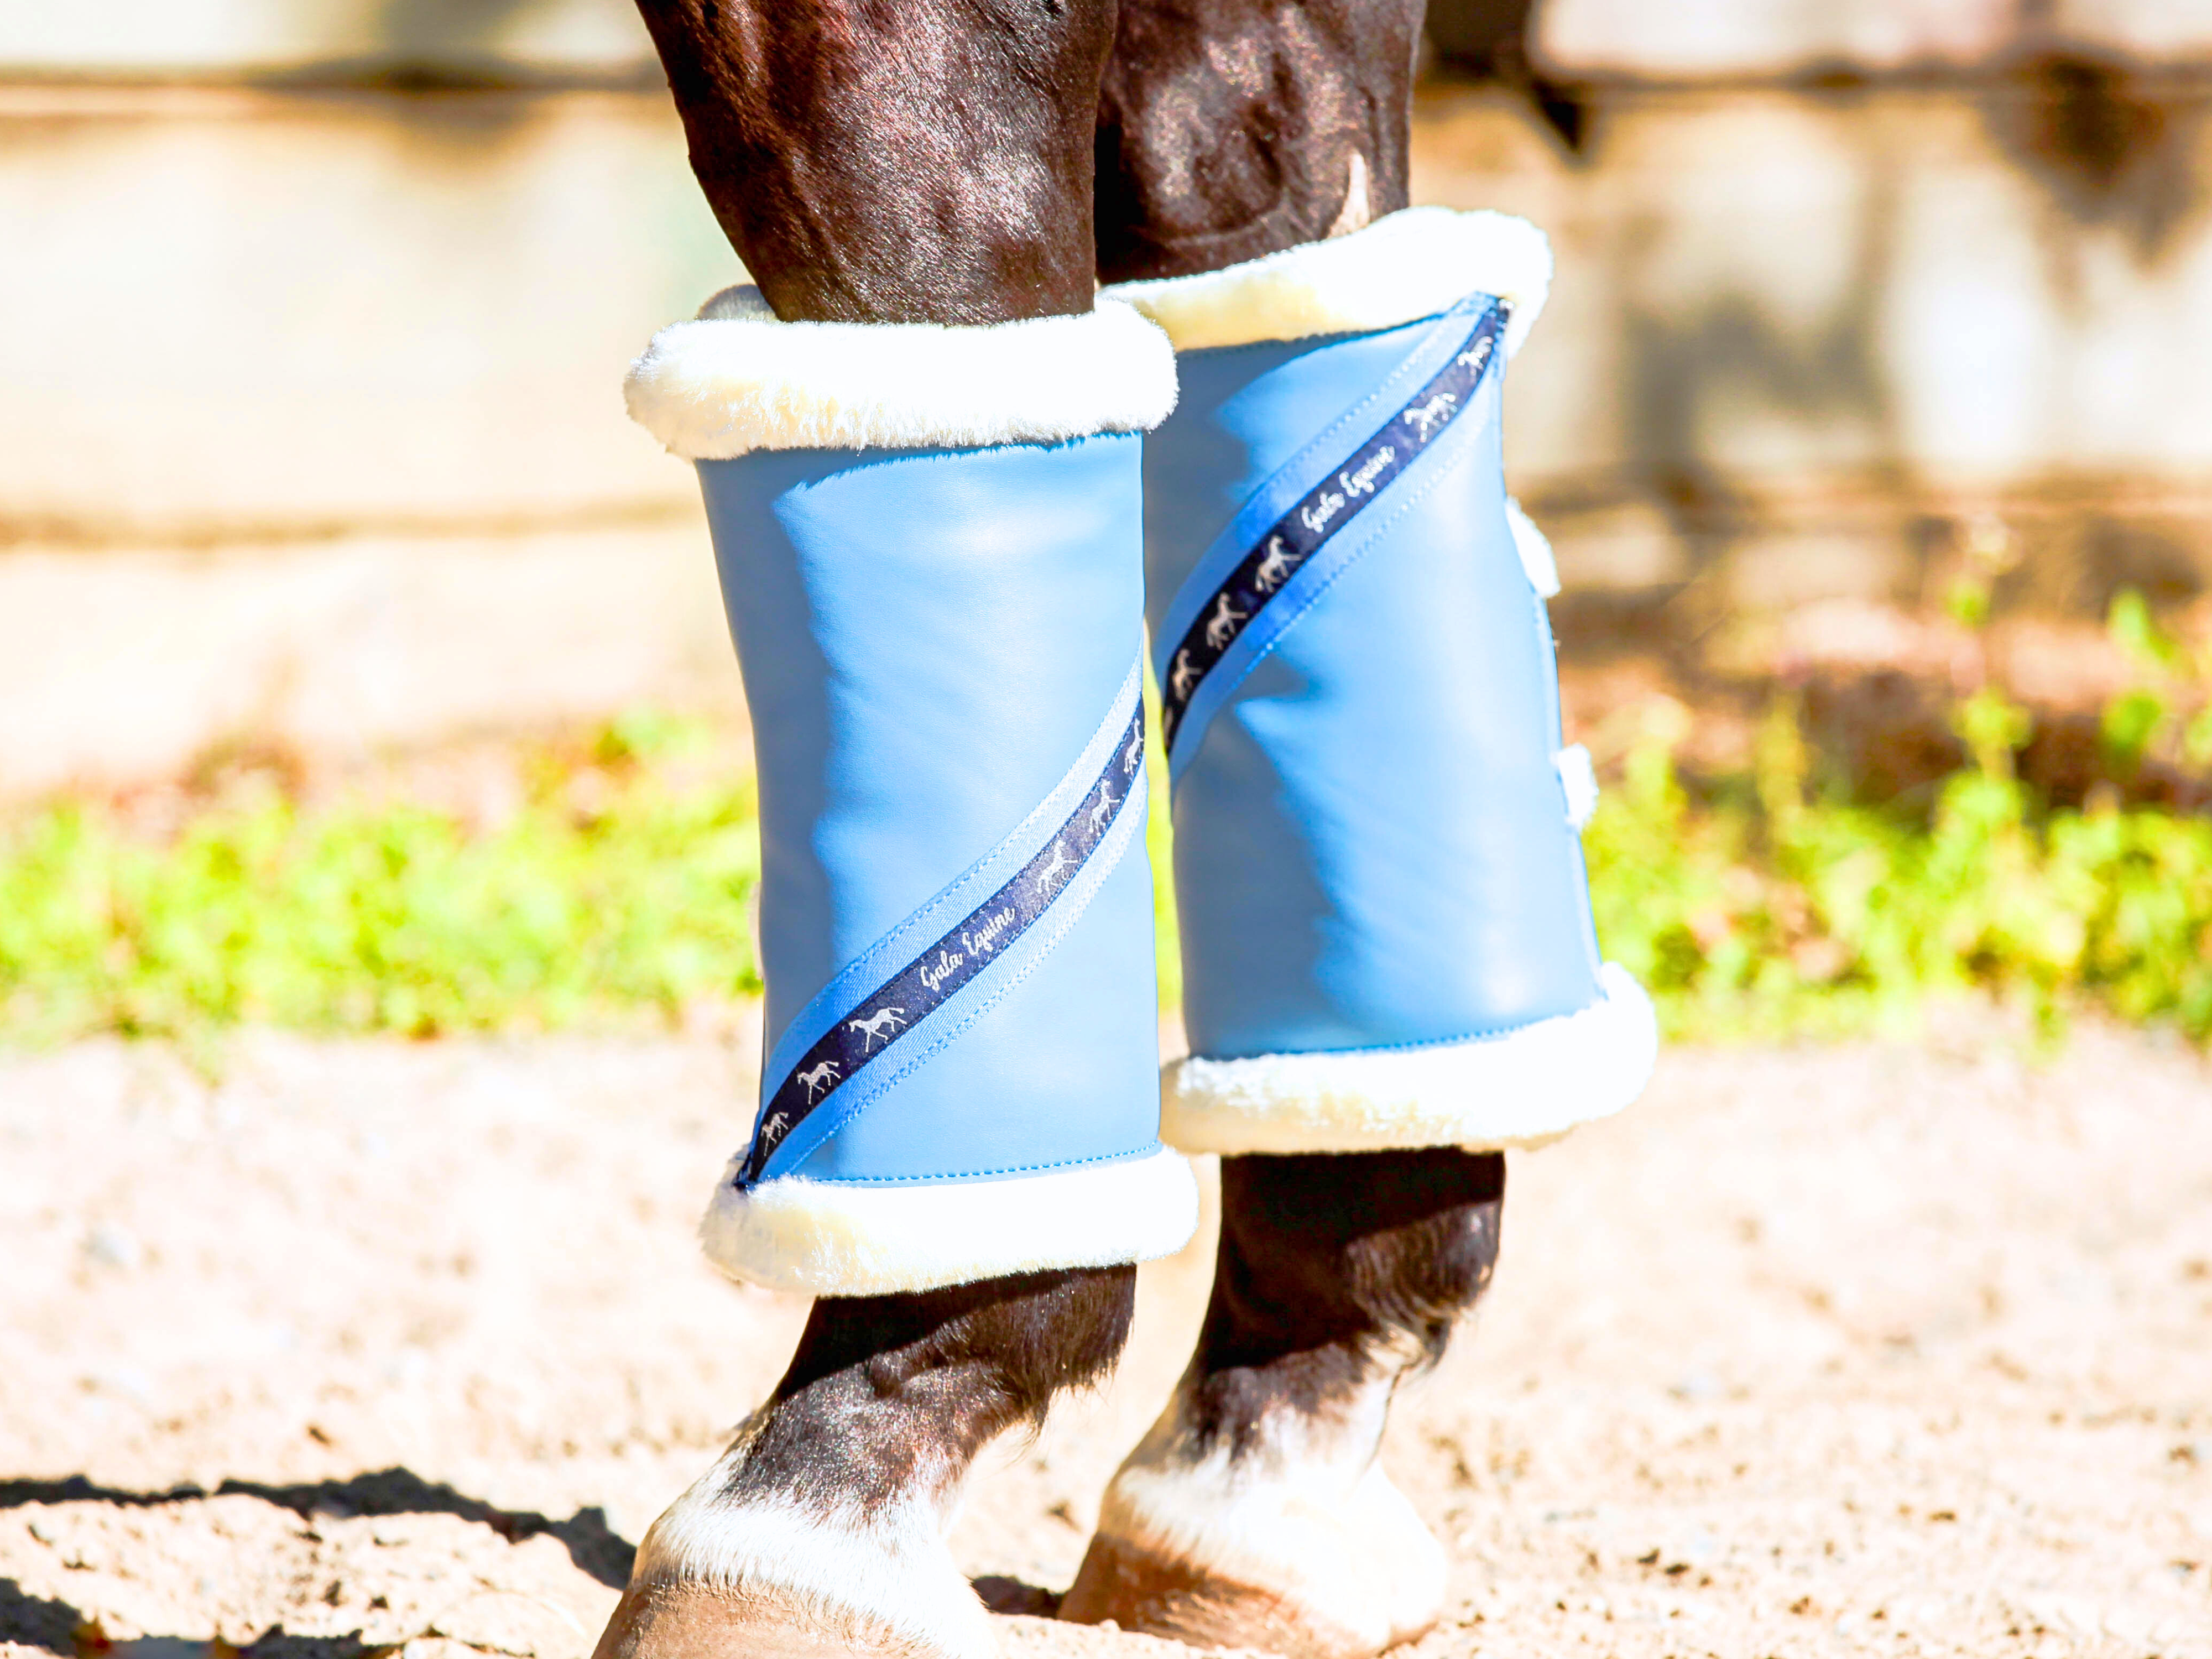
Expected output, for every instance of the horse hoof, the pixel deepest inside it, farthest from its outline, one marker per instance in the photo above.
(1216, 1555)
(693, 1621)
(725, 1576)
(698, 1621)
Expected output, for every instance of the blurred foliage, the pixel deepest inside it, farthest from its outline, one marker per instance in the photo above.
(590, 906)
(2145, 720)
(617, 894)
(1778, 903)
(1763, 908)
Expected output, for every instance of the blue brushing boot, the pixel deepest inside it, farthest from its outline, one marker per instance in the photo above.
(1386, 925)
(929, 549)
(1386, 931)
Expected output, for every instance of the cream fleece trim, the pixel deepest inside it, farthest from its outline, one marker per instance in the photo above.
(1405, 265)
(1578, 781)
(1535, 548)
(848, 1238)
(1521, 1088)
(735, 379)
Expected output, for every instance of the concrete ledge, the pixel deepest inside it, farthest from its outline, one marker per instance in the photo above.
(1705, 39)
(121, 667)
(139, 36)
(1794, 339)
(240, 312)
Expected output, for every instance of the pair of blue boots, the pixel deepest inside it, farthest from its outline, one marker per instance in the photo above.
(937, 548)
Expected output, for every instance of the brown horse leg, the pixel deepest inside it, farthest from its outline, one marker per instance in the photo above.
(1233, 130)
(1255, 1514)
(820, 1532)
(929, 162)
(926, 162)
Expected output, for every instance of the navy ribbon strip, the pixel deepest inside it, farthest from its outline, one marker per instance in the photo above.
(1322, 513)
(873, 1027)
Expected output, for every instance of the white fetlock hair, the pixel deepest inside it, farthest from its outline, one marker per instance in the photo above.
(1301, 1507)
(885, 1570)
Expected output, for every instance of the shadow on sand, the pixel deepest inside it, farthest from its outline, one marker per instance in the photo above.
(57, 1627)
(596, 1548)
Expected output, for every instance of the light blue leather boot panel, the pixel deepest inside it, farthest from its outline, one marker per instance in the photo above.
(959, 967)
(1265, 405)
(1079, 1034)
(1372, 844)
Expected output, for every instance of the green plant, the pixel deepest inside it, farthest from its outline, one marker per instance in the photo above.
(1757, 905)
(379, 918)
(2148, 718)
(1765, 910)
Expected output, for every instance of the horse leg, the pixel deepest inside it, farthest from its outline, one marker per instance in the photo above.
(821, 1529)
(1389, 971)
(1255, 1514)
(931, 164)
(1227, 133)
(875, 167)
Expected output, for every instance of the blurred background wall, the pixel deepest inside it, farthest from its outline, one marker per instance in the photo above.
(317, 310)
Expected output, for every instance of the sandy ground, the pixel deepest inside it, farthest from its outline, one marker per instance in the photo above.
(1869, 1349)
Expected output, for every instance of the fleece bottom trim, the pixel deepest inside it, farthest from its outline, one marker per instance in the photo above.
(1521, 1088)
(847, 1238)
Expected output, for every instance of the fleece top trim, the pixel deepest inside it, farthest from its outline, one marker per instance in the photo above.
(1405, 266)
(737, 379)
